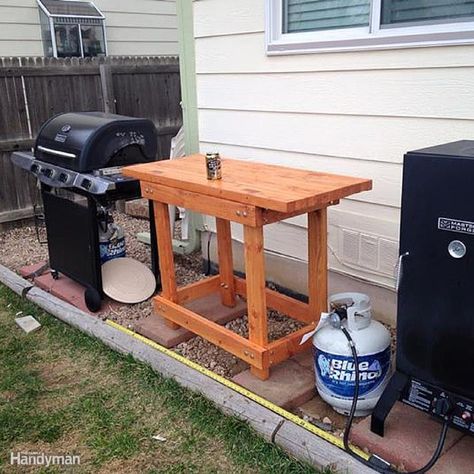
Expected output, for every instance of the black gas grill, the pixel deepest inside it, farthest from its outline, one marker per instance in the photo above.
(78, 158)
(84, 151)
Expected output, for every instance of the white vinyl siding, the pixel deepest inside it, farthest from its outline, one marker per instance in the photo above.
(20, 32)
(141, 27)
(353, 113)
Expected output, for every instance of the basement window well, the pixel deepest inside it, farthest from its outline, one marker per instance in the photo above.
(72, 28)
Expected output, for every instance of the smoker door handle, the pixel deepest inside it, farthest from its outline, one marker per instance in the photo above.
(400, 270)
(52, 151)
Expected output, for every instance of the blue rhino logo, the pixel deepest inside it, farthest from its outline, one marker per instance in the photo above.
(324, 365)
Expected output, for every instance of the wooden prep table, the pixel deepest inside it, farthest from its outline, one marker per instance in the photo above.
(252, 194)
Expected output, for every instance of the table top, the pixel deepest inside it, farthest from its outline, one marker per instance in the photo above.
(267, 186)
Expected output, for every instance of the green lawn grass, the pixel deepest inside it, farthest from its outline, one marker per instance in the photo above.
(63, 392)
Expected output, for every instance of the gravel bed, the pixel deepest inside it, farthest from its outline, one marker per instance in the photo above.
(225, 364)
(19, 247)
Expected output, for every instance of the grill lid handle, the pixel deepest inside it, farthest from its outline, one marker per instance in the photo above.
(56, 152)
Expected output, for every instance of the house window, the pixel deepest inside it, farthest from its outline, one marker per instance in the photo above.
(294, 26)
(72, 29)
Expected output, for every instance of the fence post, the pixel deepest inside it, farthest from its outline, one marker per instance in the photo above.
(107, 88)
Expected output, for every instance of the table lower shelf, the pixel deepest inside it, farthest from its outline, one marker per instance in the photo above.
(258, 356)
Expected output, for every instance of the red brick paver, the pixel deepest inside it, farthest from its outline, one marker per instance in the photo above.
(289, 386)
(410, 437)
(210, 306)
(458, 460)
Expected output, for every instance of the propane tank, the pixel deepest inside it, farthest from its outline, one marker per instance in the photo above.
(333, 360)
(111, 239)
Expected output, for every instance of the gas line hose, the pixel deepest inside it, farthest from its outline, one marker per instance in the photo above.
(375, 462)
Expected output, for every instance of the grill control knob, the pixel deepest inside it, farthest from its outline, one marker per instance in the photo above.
(48, 172)
(35, 168)
(442, 407)
(63, 177)
(86, 183)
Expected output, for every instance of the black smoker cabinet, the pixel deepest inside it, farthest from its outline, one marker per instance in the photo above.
(435, 320)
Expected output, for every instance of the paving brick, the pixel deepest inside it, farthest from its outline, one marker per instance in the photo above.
(70, 291)
(458, 460)
(211, 307)
(29, 269)
(289, 386)
(63, 288)
(155, 328)
(137, 208)
(28, 323)
(410, 437)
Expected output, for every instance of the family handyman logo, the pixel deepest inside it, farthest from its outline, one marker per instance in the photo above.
(42, 459)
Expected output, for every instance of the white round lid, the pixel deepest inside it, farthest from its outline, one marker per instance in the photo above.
(127, 280)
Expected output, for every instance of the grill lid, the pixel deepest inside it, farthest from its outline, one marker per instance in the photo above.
(87, 141)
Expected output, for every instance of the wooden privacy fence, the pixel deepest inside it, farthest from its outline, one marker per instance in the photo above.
(34, 89)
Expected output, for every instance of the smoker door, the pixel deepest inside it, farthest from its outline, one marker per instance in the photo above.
(436, 295)
(72, 232)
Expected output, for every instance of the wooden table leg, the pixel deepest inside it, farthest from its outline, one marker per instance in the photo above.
(317, 262)
(165, 252)
(256, 298)
(226, 265)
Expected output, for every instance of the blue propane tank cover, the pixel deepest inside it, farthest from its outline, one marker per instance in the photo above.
(112, 243)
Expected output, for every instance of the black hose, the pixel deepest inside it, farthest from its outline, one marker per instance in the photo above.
(437, 453)
(373, 460)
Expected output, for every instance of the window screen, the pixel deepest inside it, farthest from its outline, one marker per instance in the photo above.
(426, 11)
(93, 41)
(314, 15)
(68, 43)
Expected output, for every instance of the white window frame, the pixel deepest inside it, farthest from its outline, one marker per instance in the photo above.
(361, 38)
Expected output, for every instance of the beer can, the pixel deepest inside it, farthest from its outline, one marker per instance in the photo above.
(213, 166)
